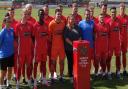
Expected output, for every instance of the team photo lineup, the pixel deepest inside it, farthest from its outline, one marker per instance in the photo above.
(29, 46)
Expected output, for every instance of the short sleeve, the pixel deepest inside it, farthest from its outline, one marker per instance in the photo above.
(1, 36)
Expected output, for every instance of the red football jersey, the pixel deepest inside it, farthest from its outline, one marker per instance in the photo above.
(124, 26)
(32, 20)
(115, 31)
(41, 37)
(24, 35)
(101, 34)
(78, 18)
(106, 18)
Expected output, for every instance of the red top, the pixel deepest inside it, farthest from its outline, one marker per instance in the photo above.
(78, 18)
(32, 20)
(115, 28)
(56, 32)
(124, 26)
(101, 33)
(63, 18)
(106, 18)
(24, 35)
(41, 37)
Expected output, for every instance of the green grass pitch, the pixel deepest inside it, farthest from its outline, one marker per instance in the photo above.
(95, 84)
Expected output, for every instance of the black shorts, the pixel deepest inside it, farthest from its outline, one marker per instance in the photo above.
(6, 62)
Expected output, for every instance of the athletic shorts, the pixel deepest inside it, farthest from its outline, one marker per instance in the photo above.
(57, 52)
(25, 59)
(101, 51)
(6, 62)
(115, 50)
(39, 57)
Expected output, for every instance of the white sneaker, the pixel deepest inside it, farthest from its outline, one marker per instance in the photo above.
(49, 75)
(55, 75)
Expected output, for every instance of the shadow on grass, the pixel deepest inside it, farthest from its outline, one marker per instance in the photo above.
(56, 85)
(109, 84)
(95, 84)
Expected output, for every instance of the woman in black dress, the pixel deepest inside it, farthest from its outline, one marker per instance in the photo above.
(71, 33)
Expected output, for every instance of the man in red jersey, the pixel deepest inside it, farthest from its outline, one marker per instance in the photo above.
(91, 8)
(104, 11)
(63, 18)
(47, 19)
(114, 42)
(11, 12)
(41, 38)
(78, 17)
(32, 21)
(101, 45)
(30, 18)
(56, 28)
(124, 27)
(24, 35)
(60, 6)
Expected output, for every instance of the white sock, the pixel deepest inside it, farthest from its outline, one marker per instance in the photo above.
(8, 82)
(14, 75)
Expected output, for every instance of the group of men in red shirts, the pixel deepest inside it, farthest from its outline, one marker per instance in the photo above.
(35, 40)
(111, 39)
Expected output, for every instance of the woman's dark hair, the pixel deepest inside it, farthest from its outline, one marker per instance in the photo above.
(6, 16)
(6, 19)
(69, 16)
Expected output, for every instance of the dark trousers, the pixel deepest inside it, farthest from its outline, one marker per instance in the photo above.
(69, 55)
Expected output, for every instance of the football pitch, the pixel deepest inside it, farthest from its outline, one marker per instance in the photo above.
(95, 84)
